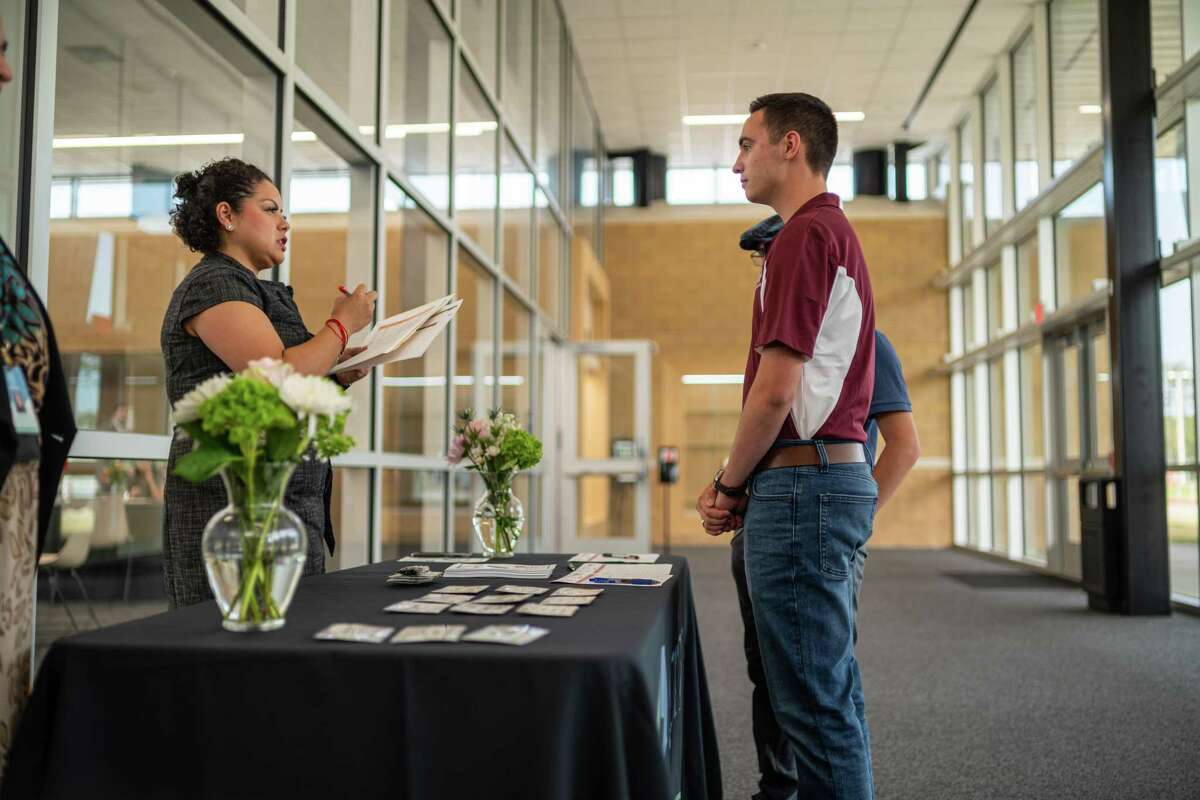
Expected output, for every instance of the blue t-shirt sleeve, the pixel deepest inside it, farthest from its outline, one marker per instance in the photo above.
(891, 391)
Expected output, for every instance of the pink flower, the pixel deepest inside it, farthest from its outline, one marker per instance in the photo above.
(480, 427)
(457, 446)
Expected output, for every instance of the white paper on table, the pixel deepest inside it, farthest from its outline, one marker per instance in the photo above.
(404, 335)
(614, 558)
(658, 573)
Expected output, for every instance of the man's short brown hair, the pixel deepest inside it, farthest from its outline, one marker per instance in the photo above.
(806, 115)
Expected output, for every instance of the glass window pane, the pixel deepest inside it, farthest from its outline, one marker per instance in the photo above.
(264, 14)
(518, 68)
(1170, 189)
(966, 179)
(1032, 432)
(1102, 433)
(328, 250)
(414, 415)
(478, 22)
(1166, 37)
(1074, 529)
(550, 38)
(475, 165)
(1033, 500)
(350, 511)
(550, 261)
(995, 290)
(1074, 79)
(970, 326)
(516, 380)
(1183, 522)
(941, 175)
(1025, 170)
(13, 14)
(981, 488)
(111, 276)
(1069, 402)
(972, 419)
(412, 512)
(1000, 513)
(1029, 304)
(1080, 255)
(585, 187)
(417, 136)
(605, 506)
(516, 216)
(1179, 375)
(993, 193)
(116, 505)
(336, 47)
(474, 360)
(999, 426)
(605, 393)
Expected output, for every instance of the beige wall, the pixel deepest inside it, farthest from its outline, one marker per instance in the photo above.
(678, 277)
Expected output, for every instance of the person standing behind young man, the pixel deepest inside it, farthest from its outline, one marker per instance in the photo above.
(891, 413)
(798, 466)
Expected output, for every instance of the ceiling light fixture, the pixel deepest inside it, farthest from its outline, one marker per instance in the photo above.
(721, 379)
(147, 140)
(737, 119)
(1090, 109)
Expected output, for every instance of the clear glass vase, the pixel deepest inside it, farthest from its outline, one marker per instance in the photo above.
(254, 550)
(499, 519)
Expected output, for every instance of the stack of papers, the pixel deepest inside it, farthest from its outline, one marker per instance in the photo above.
(614, 558)
(619, 574)
(446, 558)
(533, 572)
(404, 335)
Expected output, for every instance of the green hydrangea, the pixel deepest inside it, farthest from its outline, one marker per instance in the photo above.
(521, 449)
(243, 412)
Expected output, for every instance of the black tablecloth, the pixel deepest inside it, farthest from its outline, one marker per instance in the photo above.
(612, 703)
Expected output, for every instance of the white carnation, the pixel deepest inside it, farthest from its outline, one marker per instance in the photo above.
(188, 407)
(271, 370)
(493, 451)
(313, 395)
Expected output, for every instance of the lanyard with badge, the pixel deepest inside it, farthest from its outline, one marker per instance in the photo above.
(20, 404)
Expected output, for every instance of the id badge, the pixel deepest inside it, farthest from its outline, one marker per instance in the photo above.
(24, 415)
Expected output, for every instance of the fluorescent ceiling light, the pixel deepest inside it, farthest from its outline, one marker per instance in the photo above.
(725, 379)
(303, 136)
(1090, 109)
(738, 119)
(147, 140)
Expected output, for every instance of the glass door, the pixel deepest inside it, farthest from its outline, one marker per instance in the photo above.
(604, 476)
(1082, 434)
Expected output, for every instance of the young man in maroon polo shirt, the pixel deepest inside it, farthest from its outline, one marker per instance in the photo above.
(798, 480)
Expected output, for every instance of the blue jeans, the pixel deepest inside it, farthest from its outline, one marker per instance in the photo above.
(776, 764)
(803, 528)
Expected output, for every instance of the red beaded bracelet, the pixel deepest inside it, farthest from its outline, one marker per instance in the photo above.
(338, 329)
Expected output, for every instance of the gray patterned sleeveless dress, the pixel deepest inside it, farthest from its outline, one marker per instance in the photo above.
(188, 506)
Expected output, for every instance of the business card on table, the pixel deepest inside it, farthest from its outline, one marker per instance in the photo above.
(544, 610)
(412, 580)
(429, 633)
(480, 608)
(530, 590)
(444, 598)
(463, 589)
(506, 634)
(559, 600)
(354, 632)
(497, 599)
(568, 591)
(416, 607)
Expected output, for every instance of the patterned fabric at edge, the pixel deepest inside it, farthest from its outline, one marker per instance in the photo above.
(188, 507)
(24, 344)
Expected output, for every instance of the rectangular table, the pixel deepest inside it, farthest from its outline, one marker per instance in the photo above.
(612, 703)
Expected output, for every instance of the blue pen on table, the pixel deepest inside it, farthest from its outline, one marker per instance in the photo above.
(626, 581)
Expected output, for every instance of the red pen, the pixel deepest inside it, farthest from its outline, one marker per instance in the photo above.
(344, 290)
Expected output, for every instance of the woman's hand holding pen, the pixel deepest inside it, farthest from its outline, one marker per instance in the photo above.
(354, 309)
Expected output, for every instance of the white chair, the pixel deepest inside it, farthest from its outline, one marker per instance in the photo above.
(72, 554)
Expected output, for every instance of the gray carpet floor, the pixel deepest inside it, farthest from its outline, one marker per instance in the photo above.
(984, 681)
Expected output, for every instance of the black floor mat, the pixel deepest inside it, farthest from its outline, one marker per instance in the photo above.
(1009, 580)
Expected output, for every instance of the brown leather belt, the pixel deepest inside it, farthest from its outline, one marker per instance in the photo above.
(806, 455)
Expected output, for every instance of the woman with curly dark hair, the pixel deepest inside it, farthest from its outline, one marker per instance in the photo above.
(221, 317)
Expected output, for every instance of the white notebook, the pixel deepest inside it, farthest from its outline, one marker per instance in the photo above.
(404, 335)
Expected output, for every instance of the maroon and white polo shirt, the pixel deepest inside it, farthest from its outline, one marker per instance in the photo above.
(814, 297)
